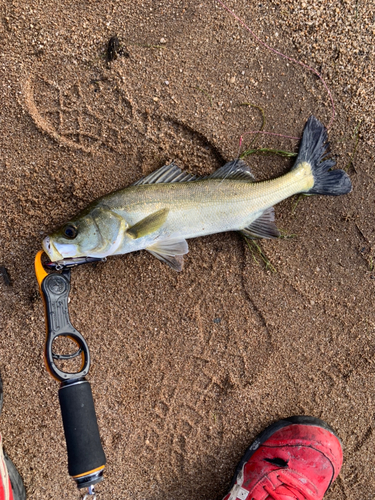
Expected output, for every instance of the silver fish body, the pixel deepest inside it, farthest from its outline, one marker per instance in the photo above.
(202, 207)
(160, 212)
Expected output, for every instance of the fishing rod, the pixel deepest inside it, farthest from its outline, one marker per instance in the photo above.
(86, 458)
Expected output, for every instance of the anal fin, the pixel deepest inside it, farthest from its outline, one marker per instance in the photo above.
(263, 227)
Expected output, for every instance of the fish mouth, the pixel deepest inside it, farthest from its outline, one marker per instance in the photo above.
(51, 250)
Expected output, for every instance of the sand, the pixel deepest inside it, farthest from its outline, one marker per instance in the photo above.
(187, 367)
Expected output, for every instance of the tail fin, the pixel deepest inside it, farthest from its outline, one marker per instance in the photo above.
(313, 150)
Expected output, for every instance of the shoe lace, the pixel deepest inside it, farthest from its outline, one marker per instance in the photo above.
(289, 488)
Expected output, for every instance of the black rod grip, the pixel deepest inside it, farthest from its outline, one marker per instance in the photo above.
(85, 451)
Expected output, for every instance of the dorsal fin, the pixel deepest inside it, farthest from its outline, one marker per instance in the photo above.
(166, 174)
(235, 169)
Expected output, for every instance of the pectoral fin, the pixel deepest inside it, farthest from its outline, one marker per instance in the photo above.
(149, 224)
(171, 252)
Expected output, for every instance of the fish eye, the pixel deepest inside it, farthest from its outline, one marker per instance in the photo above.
(70, 231)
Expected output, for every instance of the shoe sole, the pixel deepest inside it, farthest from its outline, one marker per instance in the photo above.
(18, 488)
(271, 429)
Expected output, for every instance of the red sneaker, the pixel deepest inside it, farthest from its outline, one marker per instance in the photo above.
(11, 485)
(293, 459)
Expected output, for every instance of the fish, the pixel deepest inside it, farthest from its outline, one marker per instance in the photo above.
(159, 212)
